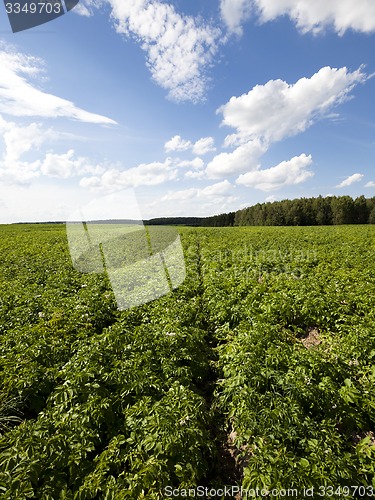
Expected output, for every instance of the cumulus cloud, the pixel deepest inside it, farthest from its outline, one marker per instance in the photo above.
(308, 15)
(83, 10)
(18, 97)
(214, 198)
(204, 146)
(201, 147)
(223, 188)
(181, 195)
(145, 174)
(277, 109)
(61, 166)
(370, 184)
(350, 180)
(67, 165)
(178, 48)
(218, 190)
(243, 159)
(271, 112)
(19, 139)
(177, 144)
(234, 13)
(196, 163)
(286, 173)
(194, 174)
(19, 172)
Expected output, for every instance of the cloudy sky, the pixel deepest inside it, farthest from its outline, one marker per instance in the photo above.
(198, 107)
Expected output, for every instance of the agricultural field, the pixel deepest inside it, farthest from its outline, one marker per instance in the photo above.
(258, 371)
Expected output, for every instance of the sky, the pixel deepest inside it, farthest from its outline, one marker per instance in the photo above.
(195, 107)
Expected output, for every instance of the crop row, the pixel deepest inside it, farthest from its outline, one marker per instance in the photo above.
(263, 359)
(296, 353)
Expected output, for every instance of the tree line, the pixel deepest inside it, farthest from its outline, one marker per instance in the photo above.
(331, 210)
(320, 211)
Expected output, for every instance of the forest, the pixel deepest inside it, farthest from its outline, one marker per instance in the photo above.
(320, 211)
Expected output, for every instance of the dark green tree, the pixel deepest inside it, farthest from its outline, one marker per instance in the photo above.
(343, 210)
(362, 211)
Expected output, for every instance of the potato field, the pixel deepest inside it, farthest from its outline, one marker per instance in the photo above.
(258, 371)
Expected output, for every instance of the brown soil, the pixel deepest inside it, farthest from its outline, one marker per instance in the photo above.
(239, 457)
(311, 337)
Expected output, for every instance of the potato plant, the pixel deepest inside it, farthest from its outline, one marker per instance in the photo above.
(259, 369)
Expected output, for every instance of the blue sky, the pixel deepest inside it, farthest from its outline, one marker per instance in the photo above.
(198, 107)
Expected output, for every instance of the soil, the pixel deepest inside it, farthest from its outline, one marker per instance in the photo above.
(311, 337)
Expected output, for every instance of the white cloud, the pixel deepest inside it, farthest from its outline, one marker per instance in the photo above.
(19, 139)
(145, 174)
(244, 158)
(196, 163)
(83, 10)
(61, 166)
(66, 165)
(19, 172)
(277, 109)
(350, 180)
(218, 190)
(18, 97)
(271, 198)
(177, 144)
(22, 139)
(178, 48)
(370, 184)
(199, 202)
(272, 112)
(234, 13)
(193, 174)
(204, 146)
(201, 147)
(181, 195)
(286, 173)
(315, 15)
(223, 188)
(86, 7)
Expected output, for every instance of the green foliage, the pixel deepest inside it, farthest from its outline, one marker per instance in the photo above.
(319, 211)
(302, 414)
(270, 340)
